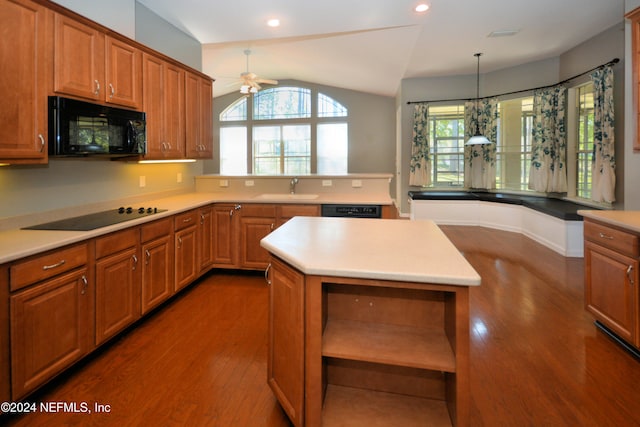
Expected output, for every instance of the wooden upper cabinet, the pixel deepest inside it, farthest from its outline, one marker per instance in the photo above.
(123, 67)
(634, 17)
(198, 116)
(91, 65)
(78, 59)
(163, 101)
(25, 31)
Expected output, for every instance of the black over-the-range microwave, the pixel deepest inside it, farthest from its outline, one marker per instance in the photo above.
(78, 128)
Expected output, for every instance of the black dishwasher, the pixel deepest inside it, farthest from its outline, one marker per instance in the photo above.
(352, 211)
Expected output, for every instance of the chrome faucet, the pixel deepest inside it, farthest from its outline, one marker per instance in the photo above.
(292, 185)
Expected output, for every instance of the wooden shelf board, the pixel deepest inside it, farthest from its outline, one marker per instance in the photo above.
(345, 406)
(426, 348)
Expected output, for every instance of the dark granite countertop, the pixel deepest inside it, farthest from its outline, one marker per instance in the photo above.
(558, 208)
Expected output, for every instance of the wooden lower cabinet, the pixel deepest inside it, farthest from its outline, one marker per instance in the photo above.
(225, 240)
(187, 265)
(612, 279)
(256, 221)
(157, 263)
(348, 351)
(205, 238)
(118, 283)
(51, 328)
(285, 368)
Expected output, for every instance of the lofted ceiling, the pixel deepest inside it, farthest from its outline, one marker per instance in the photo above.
(371, 46)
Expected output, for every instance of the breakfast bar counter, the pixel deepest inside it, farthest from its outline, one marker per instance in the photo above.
(369, 320)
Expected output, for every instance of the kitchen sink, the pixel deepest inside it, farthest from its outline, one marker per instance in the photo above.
(286, 196)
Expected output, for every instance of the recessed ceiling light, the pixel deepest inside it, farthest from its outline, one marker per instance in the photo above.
(273, 22)
(422, 7)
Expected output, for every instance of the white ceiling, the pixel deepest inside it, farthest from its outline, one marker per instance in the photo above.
(371, 46)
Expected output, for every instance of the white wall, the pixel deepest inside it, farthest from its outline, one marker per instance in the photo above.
(119, 15)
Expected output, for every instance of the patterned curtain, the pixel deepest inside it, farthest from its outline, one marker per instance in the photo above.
(603, 165)
(549, 147)
(420, 168)
(480, 160)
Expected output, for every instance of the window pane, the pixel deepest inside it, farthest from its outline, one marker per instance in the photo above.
(584, 147)
(235, 111)
(329, 107)
(282, 103)
(233, 150)
(446, 138)
(333, 148)
(266, 150)
(297, 149)
(513, 156)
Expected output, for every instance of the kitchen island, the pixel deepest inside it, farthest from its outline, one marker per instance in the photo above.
(369, 321)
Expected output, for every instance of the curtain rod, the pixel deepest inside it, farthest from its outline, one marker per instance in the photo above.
(612, 62)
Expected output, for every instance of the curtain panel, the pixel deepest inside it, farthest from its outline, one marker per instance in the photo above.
(603, 177)
(548, 173)
(480, 160)
(420, 167)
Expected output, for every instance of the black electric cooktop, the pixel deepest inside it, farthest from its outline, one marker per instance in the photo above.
(96, 220)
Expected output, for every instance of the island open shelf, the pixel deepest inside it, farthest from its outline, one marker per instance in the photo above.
(365, 339)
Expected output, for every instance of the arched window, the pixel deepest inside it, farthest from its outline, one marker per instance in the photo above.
(284, 130)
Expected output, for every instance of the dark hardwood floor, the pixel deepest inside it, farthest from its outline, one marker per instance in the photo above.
(536, 357)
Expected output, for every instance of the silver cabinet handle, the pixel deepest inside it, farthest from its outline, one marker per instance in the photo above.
(266, 275)
(112, 90)
(235, 208)
(97, 91)
(85, 283)
(201, 219)
(179, 242)
(56, 265)
(42, 143)
(605, 236)
(629, 274)
(135, 261)
(148, 256)
(187, 220)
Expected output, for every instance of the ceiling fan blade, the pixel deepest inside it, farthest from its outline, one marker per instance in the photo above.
(267, 81)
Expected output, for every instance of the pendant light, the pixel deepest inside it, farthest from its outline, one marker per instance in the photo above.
(477, 138)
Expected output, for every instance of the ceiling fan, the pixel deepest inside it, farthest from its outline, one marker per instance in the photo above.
(250, 82)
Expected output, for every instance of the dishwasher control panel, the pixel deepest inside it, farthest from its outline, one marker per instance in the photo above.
(352, 211)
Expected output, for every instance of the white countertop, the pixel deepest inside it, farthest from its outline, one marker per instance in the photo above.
(16, 243)
(401, 250)
(629, 220)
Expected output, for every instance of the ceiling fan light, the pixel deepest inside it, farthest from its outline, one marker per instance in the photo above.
(244, 89)
(253, 89)
(478, 140)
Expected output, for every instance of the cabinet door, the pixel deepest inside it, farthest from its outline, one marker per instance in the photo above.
(254, 229)
(174, 128)
(78, 59)
(51, 327)
(25, 34)
(205, 239)
(163, 101)
(157, 272)
(611, 290)
(199, 120)
(153, 75)
(285, 364)
(186, 257)
(117, 293)
(123, 67)
(225, 238)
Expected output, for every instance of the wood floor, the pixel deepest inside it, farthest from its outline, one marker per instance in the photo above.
(536, 357)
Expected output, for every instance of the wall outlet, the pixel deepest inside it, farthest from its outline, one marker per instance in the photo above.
(223, 183)
(356, 183)
(249, 183)
(179, 177)
(143, 181)
(327, 183)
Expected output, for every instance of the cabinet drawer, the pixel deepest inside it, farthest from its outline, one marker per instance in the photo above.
(116, 242)
(156, 229)
(612, 238)
(185, 219)
(42, 267)
(289, 211)
(266, 211)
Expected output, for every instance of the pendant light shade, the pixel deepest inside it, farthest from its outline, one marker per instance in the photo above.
(477, 138)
